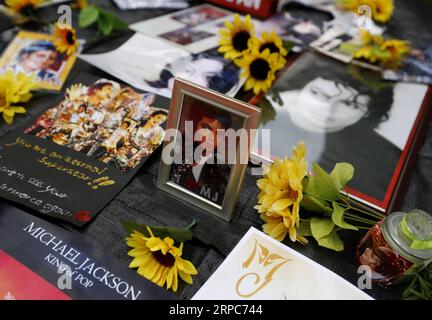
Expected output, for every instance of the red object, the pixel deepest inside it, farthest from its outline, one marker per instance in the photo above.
(17, 282)
(258, 8)
(387, 265)
(83, 215)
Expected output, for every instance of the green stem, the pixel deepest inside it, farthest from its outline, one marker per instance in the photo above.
(371, 214)
(194, 222)
(346, 199)
(360, 219)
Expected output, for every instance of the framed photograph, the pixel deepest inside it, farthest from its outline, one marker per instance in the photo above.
(207, 144)
(32, 52)
(347, 114)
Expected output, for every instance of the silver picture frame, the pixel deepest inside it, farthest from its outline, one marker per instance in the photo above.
(250, 118)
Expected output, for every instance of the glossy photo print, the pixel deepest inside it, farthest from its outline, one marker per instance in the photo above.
(205, 69)
(344, 114)
(35, 53)
(165, 62)
(194, 29)
(117, 126)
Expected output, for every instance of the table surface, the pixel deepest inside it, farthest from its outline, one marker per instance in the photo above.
(142, 202)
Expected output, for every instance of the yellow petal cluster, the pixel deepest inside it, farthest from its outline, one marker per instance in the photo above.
(381, 10)
(259, 68)
(387, 53)
(159, 260)
(271, 41)
(234, 38)
(14, 88)
(281, 192)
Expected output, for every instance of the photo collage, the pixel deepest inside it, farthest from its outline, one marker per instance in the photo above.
(115, 125)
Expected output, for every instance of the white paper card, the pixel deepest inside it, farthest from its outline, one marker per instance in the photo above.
(262, 268)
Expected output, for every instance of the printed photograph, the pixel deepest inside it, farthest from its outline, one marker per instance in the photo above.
(417, 67)
(206, 69)
(344, 114)
(200, 15)
(35, 53)
(205, 176)
(186, 36)
(299, 30)
(117, 126)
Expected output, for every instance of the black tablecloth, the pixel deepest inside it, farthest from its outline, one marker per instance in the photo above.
(213, 239)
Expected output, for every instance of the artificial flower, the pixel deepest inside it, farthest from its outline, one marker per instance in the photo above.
(259, 69)
(389, 54)
(234, 39)
(14, 88)
(381, 10)
(23, 6)
(65, 39)
(159, 260)
(269, 41)
(281, 192)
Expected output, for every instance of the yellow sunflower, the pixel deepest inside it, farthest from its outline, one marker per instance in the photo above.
(234, 39)
(23, 6)
(159, 260)
(14, 88)
(65, 39)
(397, 49)
(281, 192)
(259, 69)
(269, 41)
(382, 10)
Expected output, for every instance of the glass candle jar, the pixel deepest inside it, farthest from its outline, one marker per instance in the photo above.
(397, 247)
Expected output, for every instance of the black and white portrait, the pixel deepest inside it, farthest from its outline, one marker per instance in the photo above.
(343, 114)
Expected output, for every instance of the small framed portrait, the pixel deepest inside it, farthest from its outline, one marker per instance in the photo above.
(36, 53)
(207, 145)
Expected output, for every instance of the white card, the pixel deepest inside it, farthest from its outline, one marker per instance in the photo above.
(261, 268)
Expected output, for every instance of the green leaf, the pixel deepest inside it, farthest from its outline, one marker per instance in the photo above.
(338, 218)
(349, 48)
(88, 16)
(119, 24)
(332, 241)
(304, 229)
(105, 23)
(313, 204)
(342, 174)
(178, 234)
(380, 54)
(321, 227)
(322, 185)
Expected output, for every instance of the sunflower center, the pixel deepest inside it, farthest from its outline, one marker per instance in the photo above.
(259, 69)
(240, 40)
(26, 9)
(166, 260)
(70, 38)
(271, 46)
(2, 101)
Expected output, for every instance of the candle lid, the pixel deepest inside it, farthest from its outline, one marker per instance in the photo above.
(410, 234)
